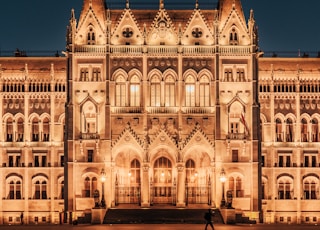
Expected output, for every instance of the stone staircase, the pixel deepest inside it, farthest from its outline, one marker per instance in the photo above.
(157, 216)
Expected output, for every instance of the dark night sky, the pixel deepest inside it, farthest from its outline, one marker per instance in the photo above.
(284, 25)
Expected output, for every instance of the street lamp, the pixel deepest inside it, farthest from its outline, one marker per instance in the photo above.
(103, 179)
(223, 179)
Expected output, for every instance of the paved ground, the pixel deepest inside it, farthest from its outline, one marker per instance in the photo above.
(161, 227)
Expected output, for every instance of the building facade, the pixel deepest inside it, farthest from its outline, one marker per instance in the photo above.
(146, 108)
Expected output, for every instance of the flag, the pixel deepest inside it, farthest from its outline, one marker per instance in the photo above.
(244, 122)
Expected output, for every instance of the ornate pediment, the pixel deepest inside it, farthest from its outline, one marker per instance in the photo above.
(197, 31)
(127, 30)
(162, 31)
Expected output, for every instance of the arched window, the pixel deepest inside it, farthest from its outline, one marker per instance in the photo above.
(235, 185)
(233, 37)
(120, 91)
(84, 74)
(314, 130)
(40, 190)
(35, 129)
(46, 129)
(90, 185)
(155, 91)
(20, 130)
(204, 92)
(91, 37)
(190, 93)
(135, 172)
(9, 130)
(289, 130)
(284, 189)
(162, 170)
(61, 190)
(169, 91)
(135, 91)
(304, 130)
(87, 188)
(309, 190)
(96, 74)
(14, 188)
(279, 132)
(190, 171)
(89, 115)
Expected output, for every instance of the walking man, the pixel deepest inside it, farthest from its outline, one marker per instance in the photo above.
(208, 217)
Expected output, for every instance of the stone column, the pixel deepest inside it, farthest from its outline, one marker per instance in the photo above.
(181, 186)
(145, 189)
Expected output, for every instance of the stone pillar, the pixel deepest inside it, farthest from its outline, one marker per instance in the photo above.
(181, 186)
(145, 189)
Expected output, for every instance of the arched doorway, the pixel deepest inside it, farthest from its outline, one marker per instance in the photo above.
(163, 183)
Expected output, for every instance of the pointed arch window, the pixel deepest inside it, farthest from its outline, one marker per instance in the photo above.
(9, 130)
(35, 129)
(190, 171)
(163, 170)
(155, 90)
(46, 129)
(204, 92)
(89, 118)
(304, 130)
(190, 92)
(233, 39)
(314, 130)
(20, 130)
(289, 130)
(135, 91)
(170, 91)
(135, 172)
(279, 133)
(121, 91)
(91, 37)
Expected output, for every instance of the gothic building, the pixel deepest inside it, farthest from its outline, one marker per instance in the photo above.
(174, 107)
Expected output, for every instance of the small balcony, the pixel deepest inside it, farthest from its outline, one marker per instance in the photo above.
(237, 136)
(89, 136)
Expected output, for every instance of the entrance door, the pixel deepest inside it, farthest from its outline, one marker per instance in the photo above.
(162, 191)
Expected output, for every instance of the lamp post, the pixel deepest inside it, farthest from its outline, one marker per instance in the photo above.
(223, 179)
(103, 179)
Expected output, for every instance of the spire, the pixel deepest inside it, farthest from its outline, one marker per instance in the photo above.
(127, 4)
(227, 6)
(197, 4)
(161, 5)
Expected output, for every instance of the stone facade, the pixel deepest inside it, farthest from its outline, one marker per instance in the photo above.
(157, 107)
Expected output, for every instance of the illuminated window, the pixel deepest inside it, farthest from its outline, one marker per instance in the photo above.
(135, 172)
(169, 91)
(90, 185)
(89, 119)
(204, 92)
(190, 171)
(190, 91)
(120, 91)
(155, 91)
(135, 91)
